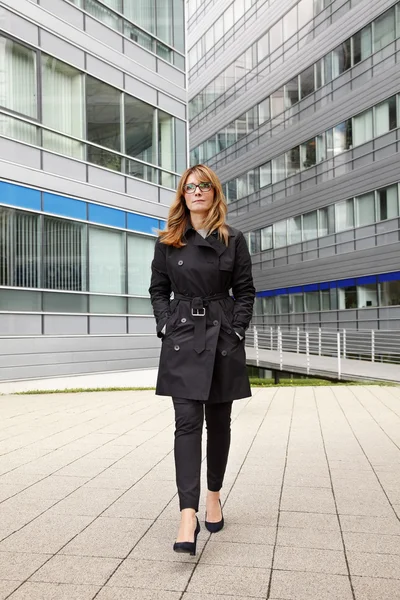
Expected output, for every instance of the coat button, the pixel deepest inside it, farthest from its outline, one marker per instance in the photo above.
(229, 331)
(176, 348)
(215, 323)
(180, 262)
(224, 353)
(183, 320)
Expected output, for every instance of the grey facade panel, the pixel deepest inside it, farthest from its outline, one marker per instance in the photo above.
(172, 106)
(99, 68)
(18, 153)
(15, 25)
(101, 32)
(20, 325)
(61, 49)
(138, 325)
(108, 324)
(66, 167)
(169, 72)
(66, 11)
(141, 90)
(106, 179)
(140, 55)
(64, 325)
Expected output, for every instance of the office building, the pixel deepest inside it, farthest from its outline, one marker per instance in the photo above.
(93, 137)
(296, 105)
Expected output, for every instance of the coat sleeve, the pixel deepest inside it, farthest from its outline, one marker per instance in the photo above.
(160, 287)
(242, 287)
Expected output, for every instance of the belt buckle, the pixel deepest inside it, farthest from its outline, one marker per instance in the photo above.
(196, 312)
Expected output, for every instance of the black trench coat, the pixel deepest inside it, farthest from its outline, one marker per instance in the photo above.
(202, 358)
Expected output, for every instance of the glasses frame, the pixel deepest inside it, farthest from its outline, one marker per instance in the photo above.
(198, 185)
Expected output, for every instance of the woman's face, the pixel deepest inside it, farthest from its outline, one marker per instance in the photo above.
(200, 200)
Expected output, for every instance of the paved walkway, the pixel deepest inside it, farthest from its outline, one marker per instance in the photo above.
(325, 366)
(311, 502)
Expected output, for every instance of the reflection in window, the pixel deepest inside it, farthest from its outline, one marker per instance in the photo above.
(385, 116)
(166, 141)
(278, 169)
(297, 303)
(19, 248)
(140, 128)
(384, 29)
(307, 82)
(64, 255)
(342, 138)
(341, 59)
(291, 92)
(265, 174)
(308, 154)
(390, 293)
(365, 209)
(275, 36)
(294, 230)
(293, 161)
(106, 261)
(362, 128)
(140, 255)
(311, 301)
(282, 304)
(266, 238)
(18, 78)
(305, 12)
(103, 112)
(344, 215)
(310, 225)
(388, 207)
(367, 295)
(362, 44)
(103, 14)
(326, 220)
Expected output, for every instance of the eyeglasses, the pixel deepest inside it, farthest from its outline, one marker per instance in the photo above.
(204, 186)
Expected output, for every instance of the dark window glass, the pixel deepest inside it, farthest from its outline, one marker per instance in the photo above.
(291, 92)
(384, 29)
(139, 129)
(362, 44)
(308, 154)
(347, 297)
(293, 161)
(307, 82)
(103, 110)
(341, 59)
(390, 293)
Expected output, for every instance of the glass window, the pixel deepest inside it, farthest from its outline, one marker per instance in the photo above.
(365, 209)
(228, 18)
(180, 146)
(362, 128)
(291, 92)
(166, 143)
(306, 12)
(209, 39)
(232, 190)
(242, 189)
(326, 220)
(20, 300)
(62, 102)
(262, 47)
(263, 111)
(385, 116)
(18, 78)
(297, 303)
(106, 261)
(64, 303)
(342, 137)
(344, 215)
(310, 225)
(347, 297)
(268, 305)
(321, 148)
(280, 234)
(14, 128)
(362, 44)
(290, 24)
(241, 126)
(282, 304)
(253, 241)
(19, 248)
(219, 28)
(384, 29)
(139, 306)
(239, 9)
(64, 255)
(293, 161)
(390, 293)
(388, 207)
(145, 40)
(221, 141)
(103, 14)
(275, 35)
(311, 301)
(266, 238)
(278, 102)
(163, 19)
(265, 175)
(252, 120)
(103, 113)
(327, 68)
(107, 305)
(278, 169)
(341, 58)
(319, 73)
(231, 134)
(294, 230)
(367, 295)
(140, 255)
(308, 154)
(252, 181)
(326, 300)
(140, 130)
(307, 82)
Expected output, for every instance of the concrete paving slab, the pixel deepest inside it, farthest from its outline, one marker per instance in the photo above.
(310, 559)
(374, 565)
(17, 566)
(368, 588)
(77, 570)
(304, 520)
(115, 593)
(310, 586)
(151, 575)
(54, 591)
(237, 554)
(6, 587)
(364, 542)
(309, 538)
(223, 580)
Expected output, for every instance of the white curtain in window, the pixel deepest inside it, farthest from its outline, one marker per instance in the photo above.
(62, 105)
(106, 261)
(365, 209)
(18, 78)
(19, 249)
(382, 122)
(103, 14)
(344, 215)
(141, 12)
(14, 128)
(64, 255)
(140, 255)
(362, 128)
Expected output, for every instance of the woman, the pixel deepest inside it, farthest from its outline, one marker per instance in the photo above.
(197, 260)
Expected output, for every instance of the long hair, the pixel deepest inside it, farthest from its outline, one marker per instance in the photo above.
(179, 212)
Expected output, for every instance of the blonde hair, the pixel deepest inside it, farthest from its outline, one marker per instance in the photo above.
(179, 212)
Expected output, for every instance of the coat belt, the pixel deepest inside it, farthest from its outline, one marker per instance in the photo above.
(198, 306)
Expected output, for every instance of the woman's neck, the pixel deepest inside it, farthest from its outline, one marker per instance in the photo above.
(197, 221)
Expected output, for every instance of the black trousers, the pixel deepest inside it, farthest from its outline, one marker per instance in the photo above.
(189, 418)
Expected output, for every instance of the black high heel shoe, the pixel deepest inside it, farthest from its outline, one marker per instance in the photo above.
(188, 547)
(215, 527)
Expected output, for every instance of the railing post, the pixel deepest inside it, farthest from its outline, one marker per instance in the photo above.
(280, 348)
(344, 343)
(308, 352)
(298, 340)
(373, 345)
(339, 365)
(319, 341)
(256, 345)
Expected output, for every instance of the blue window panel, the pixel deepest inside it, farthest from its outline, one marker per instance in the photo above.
(311, 288)
(162, 225)
(107, 216)
(279, 292)
(389, 277)
(142, 223)
(295, 290)
(324, 286)
(366, 280)
(266, 294)
(346, 283)
(67, 207)
(16, 195)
